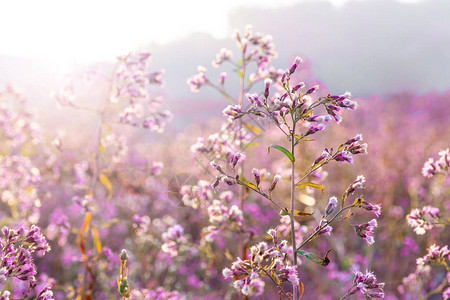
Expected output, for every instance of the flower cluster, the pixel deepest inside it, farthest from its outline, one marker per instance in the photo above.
(17, 124)
(344, 152)
(196, 195)
(284, 228)
(131, 80)
(367, 284)
(255, 47)
(223, 55)
(436, 255)
(115, 144)
(441, 166)
(423, 219)
(172, 240)
(196, 81)
(264, 261)
(19, 182)
(365, 231)
(16, 249)
(223, 144)
(220, 215)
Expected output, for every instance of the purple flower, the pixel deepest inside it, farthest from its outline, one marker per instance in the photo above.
(267, 84)
(365, 231)
(325, 155)
(357, 138)
(223, 55)
(254, 99)
(375, 208)
(297, 61)
(313, 128)
(5, 295)
(332, 204)
(276, 179)
(326, 230)
(358, 184)
(446, 294)
(196, 81)
(236, 158)
(222, 77)
(257, 175)
(232, 111)
(344, 156)
(367, 284)
(435, 255)
(442, 166)
(423, 219)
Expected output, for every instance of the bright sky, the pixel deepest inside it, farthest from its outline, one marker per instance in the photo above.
(89, 30)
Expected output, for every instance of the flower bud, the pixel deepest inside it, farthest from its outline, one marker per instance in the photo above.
(276, 178)
(332, 203)
(123, 255)
(257, 176)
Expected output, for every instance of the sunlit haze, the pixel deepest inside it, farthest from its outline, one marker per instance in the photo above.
(85, 31)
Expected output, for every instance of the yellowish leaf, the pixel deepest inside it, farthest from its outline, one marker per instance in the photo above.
(297, 213)
(310, 184)
(102, 151)
(107, 183)
(248, 183)
(253, 128)
(228, 255)
(302, 289)
(86, 222)
(96, 238)
(274, 276)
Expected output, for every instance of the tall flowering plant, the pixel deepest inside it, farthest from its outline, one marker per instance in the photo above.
(99, 185)
(421, 283)
(298, 114)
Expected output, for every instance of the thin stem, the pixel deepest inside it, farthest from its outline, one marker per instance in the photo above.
(279, 286)
(238, 181)
(222, 92)
(310, 172)
(242, 79)
(96, 168)
(348, 292)
(438, 289)
(323, 226)
(294, 287)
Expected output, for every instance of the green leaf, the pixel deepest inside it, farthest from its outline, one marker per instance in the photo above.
(310, 184)
(297, 213)
(240, 73)
(315, 258)
(285, 151)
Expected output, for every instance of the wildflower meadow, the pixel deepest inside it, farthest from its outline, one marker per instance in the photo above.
(296, 191)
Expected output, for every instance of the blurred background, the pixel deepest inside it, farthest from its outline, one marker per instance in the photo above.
(393, 55)
(365, 46)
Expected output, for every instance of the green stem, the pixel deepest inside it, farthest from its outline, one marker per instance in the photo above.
(348, 293)
(323, 226)
(240, 182)
(295, 288)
